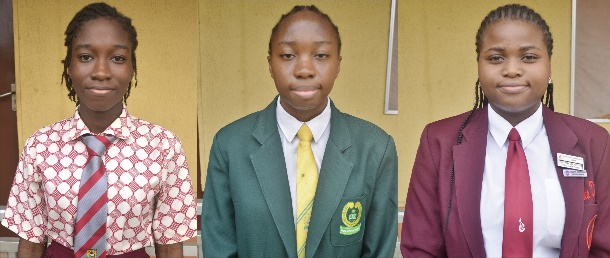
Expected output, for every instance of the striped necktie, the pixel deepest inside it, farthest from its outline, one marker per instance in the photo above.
(90, 234)
(307, 180)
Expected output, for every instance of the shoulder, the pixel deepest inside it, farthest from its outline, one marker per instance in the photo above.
(582, 127)
(51, 133)
(592, 138)
(455, 121)
(239, 128)
(447, 129)
(360, 128)
(364, 137)
(141, 129)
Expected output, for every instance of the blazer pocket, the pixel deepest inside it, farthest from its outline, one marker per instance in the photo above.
(348, 222)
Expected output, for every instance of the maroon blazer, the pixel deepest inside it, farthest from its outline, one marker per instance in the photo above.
(587, 200)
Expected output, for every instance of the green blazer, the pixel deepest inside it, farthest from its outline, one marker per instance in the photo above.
(247, 209)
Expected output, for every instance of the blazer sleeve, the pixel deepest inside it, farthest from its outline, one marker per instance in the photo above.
(421, 231)
(381, 228)
(600, 244)
(217, 217)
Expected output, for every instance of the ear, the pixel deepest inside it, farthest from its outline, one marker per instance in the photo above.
(269, 63)
(338, 67)
(68, 71)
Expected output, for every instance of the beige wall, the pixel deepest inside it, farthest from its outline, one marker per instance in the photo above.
(167, 65)
(235, 79)
(223, 45)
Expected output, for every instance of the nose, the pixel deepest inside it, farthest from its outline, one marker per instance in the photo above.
(101, 70)
(304, 68)
(512, 68)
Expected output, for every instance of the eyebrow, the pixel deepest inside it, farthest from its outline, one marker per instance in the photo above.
(291, 43)
(79, 46)
(501, 49)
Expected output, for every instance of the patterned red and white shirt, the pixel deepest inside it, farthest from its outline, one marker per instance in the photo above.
(150, 194)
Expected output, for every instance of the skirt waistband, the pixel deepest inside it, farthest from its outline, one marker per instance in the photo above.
(57, 250)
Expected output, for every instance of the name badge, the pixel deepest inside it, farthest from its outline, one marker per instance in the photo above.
(574, 173)
(571, 162)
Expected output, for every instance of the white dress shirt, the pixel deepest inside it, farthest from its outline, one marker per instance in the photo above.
(549, 205)
(288, 126)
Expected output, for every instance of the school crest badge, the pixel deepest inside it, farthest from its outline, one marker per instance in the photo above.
(351, 214)
(91, 253)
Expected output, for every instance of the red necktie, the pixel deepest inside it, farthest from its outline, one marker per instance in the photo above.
(518, 206)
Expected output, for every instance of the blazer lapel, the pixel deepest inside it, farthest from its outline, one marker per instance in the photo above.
(563, 140)
(469, 164)
(270, 167)
(334, 175)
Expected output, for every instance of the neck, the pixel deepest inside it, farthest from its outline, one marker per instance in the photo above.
(515, 117)
(303, 115)
(98, 121)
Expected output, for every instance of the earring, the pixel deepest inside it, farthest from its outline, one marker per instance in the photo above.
(549, 96)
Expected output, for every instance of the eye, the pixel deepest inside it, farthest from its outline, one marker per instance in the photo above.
(495, 59)
(118, 59)
(287, 56)
(321, 56)
(85, 58)
(529, 58)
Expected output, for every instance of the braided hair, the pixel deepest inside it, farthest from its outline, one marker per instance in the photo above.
(508, 12)
(311, 8)
(92, 12)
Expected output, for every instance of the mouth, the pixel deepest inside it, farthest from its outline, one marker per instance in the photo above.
(513, 88)
(99, 90)
(305, 92)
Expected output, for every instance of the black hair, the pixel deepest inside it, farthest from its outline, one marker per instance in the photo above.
(92, 12)
(520, 13)
(311, 8)
(508, 12)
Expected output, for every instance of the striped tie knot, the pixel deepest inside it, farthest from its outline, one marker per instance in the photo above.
(97, 144)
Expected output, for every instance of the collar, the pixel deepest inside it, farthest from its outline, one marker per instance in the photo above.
(290, 125)
(120, 127)
(528, 128)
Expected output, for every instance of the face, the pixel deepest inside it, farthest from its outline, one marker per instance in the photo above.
(304, 63)
(101, 65)
(514, 68)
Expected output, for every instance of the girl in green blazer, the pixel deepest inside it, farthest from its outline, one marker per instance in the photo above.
(248, 205)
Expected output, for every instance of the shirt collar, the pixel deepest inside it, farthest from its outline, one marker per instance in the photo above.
(528, 128)
(120, 127)
(290, 125)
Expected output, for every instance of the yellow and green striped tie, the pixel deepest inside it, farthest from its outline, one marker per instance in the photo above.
(307, 180)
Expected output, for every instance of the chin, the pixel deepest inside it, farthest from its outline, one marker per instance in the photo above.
(308, 106)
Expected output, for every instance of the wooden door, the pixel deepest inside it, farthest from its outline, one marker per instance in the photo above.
(9, 149)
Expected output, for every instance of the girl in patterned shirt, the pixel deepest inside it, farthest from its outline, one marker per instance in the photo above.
(101, 183)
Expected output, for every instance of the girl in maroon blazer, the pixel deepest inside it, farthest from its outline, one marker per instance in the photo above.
(511, 177)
